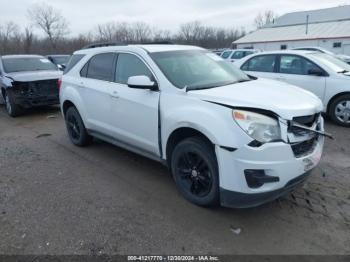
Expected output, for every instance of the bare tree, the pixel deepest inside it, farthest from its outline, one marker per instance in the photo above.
(28, 39)
(264, 18)
(50, 20)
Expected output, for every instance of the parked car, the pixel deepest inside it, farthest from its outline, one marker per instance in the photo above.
(59, 60)
(320, 73)
(233, 55)
(226, 137)
(28, 81)
(218, 51)
(345, 58)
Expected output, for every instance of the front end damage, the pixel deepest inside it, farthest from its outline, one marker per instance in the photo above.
(35, 93)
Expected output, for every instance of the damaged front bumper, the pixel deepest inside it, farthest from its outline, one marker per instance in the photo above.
(36, 93)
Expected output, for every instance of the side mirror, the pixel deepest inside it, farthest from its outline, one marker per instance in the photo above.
(142, 82)
(315, 72)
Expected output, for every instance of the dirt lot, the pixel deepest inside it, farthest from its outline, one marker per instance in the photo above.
(59, 199)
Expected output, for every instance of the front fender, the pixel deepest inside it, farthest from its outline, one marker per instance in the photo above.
(212, 120)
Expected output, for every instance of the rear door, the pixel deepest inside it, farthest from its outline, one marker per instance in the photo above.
(95, 86)
(295, 70)
(134, 111)
(262, 66)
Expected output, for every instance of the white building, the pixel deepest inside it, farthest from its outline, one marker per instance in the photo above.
(328, 28)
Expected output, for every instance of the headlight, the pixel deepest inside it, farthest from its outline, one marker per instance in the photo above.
(260, 127)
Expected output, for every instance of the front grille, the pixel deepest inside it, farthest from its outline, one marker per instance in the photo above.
(38, 88)
(304, 148)
(306, 120)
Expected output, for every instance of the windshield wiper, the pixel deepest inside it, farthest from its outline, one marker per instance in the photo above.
(191, 88)
(343, 72)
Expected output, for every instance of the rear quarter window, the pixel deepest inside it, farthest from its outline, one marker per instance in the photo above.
(72, 62)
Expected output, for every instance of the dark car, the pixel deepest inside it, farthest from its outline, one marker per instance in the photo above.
(27, 81)
(59, 60)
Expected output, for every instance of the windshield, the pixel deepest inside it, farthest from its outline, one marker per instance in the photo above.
(197, 69)
(332, 62)
(60, 60)
(27, 64)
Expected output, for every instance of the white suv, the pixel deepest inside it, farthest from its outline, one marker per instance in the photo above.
(226, 138)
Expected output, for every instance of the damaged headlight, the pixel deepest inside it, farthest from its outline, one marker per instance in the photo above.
(260, 127)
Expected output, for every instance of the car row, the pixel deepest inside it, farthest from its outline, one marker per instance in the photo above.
(228, 137)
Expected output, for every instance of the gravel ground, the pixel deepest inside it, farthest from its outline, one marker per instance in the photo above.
(59, 199)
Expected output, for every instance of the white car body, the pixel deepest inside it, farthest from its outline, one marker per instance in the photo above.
(145, 121)
(233, 55)
(327, 86)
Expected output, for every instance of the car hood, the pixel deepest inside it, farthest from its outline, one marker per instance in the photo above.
(286, 100)
(34, 75)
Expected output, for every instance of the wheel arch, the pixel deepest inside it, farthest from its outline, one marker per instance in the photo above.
(178, 135)
(334, 98)
(67, 104)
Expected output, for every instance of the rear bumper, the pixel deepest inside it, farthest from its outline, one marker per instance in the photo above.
(243, 200)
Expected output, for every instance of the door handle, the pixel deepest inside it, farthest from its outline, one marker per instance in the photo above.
(81, 84)
(114, 94)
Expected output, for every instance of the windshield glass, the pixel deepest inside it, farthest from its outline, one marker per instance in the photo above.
(60, 60)
(27, 64)
(197, 69)
(332, 62)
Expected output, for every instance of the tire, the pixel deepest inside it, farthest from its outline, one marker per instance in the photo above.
(339, 110)
(12, 109)
(76, 129)
(195, 171)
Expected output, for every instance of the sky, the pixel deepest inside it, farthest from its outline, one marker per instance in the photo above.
(84, 15)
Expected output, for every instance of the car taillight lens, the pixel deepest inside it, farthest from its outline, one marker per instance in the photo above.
(59, 82)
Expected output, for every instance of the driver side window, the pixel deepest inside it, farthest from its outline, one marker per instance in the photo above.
(130, 65)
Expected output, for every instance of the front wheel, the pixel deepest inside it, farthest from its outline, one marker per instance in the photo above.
(339, 110)
(76, 128)
(195, 171)
(12, 109)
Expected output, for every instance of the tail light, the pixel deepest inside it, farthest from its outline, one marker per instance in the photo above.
(59, 82)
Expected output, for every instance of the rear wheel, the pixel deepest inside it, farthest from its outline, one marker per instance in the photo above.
(195, 171)
(76, 128)
(339, 110)
(12, 109)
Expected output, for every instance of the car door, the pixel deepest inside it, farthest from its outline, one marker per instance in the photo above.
(264, 66)
(135, 111)
(95, 88)
(299, 71)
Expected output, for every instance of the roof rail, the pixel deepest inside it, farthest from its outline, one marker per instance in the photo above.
(95, 45)
(165, 42)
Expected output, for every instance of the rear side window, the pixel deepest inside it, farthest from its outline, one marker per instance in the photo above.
(74, 59)
(100, 67)
(263, 63)
(226, 54)
(130, 65)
